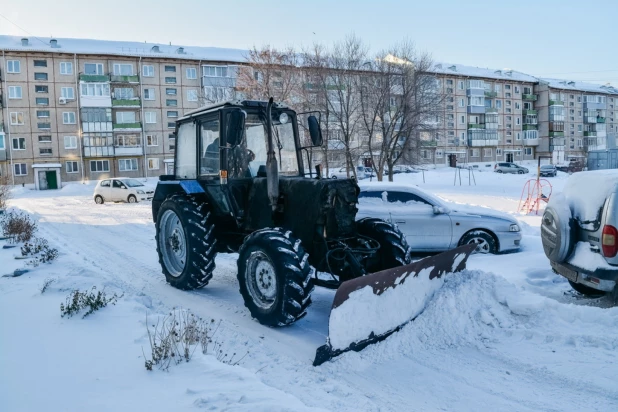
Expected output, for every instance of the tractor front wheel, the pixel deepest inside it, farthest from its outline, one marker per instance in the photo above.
(394, 250)
(274, 277)
(186, 242)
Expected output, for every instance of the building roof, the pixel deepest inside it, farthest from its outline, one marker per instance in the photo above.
(580, 86)
(122, 48)
(471, 71)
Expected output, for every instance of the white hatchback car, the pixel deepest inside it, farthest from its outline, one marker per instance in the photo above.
(121, 189)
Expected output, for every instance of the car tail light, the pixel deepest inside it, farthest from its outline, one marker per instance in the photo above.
(609, 241)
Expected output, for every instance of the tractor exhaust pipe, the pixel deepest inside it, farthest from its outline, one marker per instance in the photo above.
(272, 171)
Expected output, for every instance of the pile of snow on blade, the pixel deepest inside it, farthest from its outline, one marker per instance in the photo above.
(365, 312)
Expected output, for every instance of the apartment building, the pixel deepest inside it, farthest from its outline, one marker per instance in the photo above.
(77, 110)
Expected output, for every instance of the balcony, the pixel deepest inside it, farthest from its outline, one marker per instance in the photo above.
(94, 78)
(482, 138)
(126, 103)
(129, 151)
(530, 127)
(600, 119)
(531, 97)
(96, 127)
(121, 127)
(558, 142)
(95, 101)
(490, 94)
(556, 102)
(428, 143)
(491, 110)
(125, 79)
(98, 151)
(476, 109)
(590, 134)
(556, 134)
(476, 126)
(531, 142)
(595, 143)
(528, 112)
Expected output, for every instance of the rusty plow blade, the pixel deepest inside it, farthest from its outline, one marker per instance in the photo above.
(370, 308)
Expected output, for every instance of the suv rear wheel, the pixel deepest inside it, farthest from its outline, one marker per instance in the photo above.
(585, 290)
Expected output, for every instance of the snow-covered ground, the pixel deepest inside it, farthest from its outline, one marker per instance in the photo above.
(506, 334)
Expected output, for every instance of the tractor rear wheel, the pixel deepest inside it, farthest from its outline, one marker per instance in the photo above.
(185, 242)
(394, 249)
(274, 277)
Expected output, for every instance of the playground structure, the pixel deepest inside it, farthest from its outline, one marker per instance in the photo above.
(534, 192)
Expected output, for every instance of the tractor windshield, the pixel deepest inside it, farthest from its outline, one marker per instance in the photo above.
(255, 146)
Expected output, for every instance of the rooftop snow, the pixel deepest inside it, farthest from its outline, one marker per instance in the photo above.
(471, 71)
(122, 48)
(580, 86)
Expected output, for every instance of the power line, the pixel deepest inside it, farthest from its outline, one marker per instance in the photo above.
(21, 28)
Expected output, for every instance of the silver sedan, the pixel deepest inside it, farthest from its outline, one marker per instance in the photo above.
(432, 225)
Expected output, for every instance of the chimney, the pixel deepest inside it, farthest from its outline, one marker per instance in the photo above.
(24, 41)
(53, 43)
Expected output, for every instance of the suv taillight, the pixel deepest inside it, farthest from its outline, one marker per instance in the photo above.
(609, 241)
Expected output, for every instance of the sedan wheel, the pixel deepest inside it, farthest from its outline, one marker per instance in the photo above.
(520, 172)
(485, 243)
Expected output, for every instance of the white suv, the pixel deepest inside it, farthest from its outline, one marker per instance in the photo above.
(121, 189)
(579, 231)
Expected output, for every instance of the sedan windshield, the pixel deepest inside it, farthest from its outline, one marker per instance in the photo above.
(133, 183)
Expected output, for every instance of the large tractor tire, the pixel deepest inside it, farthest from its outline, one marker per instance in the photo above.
(558, 232)
(274, 277)
(186, 242)
(394, 249)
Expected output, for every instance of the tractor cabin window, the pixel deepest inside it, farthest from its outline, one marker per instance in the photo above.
(185, 157)
(209, 147)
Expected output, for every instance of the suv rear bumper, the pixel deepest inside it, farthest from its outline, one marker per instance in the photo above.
(600, 279)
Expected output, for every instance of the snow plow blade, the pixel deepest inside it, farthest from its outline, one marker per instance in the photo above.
(368, 309)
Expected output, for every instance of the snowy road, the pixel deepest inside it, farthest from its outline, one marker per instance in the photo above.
(501, 336)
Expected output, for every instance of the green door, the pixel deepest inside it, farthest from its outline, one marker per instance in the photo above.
(52, 183)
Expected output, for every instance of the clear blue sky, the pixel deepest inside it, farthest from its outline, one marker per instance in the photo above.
(567, 39)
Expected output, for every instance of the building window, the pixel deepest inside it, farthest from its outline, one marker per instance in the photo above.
(151, 117)
(40, 63)
(123, 69)
(487, 152)
(70, 142)
(125, 117)
(173, 113)
(152, 140)
(15, 92)
(149, 94)
(45, 151)
(96, 114)
(518, 136)
(498, 104)
(498, 152)
(45, 139)
(40, 76)
(19, 143)
(191, 73)
(125, 165)
(518, 120)
(425, 154)
(462, 103)
(171, 92)
(516, 89)
(72, 167)
(128, 141)
(66, 68)
(42, 101)
(171, 102)
(449, 82)
(528, 151)
(462, 119)
(13, 66)
(98, 166)
(192, 95)
(170, 69)
(41, 89)
(517, 106)
(68, 93)
(439, 154)
(507, 87)
(68, 117)
(95, 89)
(153, 164)
(215, 71)
(20, 169)
(579, 128)
(170, 80)
(460, 85)
(42, 113)
(44, 126)
(17, 118)
(171, 125)
(475, 152)
(148, 71)
(93, 68)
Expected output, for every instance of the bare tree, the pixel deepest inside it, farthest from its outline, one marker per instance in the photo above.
(399, 98)
(5, 191)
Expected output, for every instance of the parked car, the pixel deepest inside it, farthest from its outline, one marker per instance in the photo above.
(121, 189)
(579, 232)
(548, 170)
(361, 173)
(510, 168)
(433, 225)
(573, 166)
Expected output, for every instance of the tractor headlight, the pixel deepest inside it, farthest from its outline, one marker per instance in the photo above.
(283, 118)
(140, 192)
(514, 228)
